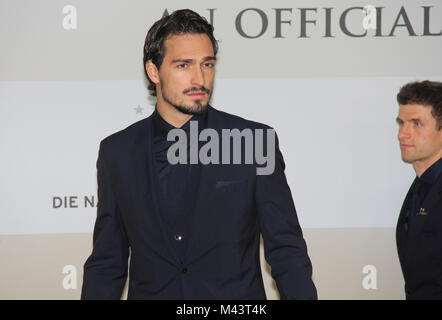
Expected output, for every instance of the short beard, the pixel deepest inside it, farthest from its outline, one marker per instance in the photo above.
(199, 108)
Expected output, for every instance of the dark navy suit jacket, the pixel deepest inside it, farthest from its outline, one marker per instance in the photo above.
(420, 248)
(233, 207)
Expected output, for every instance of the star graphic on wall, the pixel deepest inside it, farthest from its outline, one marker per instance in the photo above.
(138, 110)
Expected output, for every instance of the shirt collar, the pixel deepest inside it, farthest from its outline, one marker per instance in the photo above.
(162, 127)
(432, 173)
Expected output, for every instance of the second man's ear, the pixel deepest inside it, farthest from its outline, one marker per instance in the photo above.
(152, 72)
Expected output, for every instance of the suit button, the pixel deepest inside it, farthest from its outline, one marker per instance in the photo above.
(178, 237)
(184, 270)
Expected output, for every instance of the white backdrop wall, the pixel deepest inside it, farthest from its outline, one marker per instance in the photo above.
(324, 74)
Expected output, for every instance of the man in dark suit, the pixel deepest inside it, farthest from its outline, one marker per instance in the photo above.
(192, 230)
(419, 228)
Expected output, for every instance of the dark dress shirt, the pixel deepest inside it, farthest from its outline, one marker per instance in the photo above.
(178, 183)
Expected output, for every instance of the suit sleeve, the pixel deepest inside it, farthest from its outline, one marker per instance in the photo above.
(284, 247)
(105, 271)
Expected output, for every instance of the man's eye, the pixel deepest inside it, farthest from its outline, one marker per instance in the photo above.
(209, 65)
(417, 123)
(182, 66)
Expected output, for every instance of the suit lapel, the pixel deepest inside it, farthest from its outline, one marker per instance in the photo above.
(403, 234)
(403, 213)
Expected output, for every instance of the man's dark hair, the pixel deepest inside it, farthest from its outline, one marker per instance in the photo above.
(183, 21)
(427, 93)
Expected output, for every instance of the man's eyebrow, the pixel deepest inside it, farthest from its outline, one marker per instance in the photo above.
(183, 60)
(208, 58)
(398, 120)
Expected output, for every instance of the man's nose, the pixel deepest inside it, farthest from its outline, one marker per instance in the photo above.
(404, 132)
(198, 77)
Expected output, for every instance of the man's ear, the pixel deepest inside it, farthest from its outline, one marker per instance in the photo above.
(152, 72)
